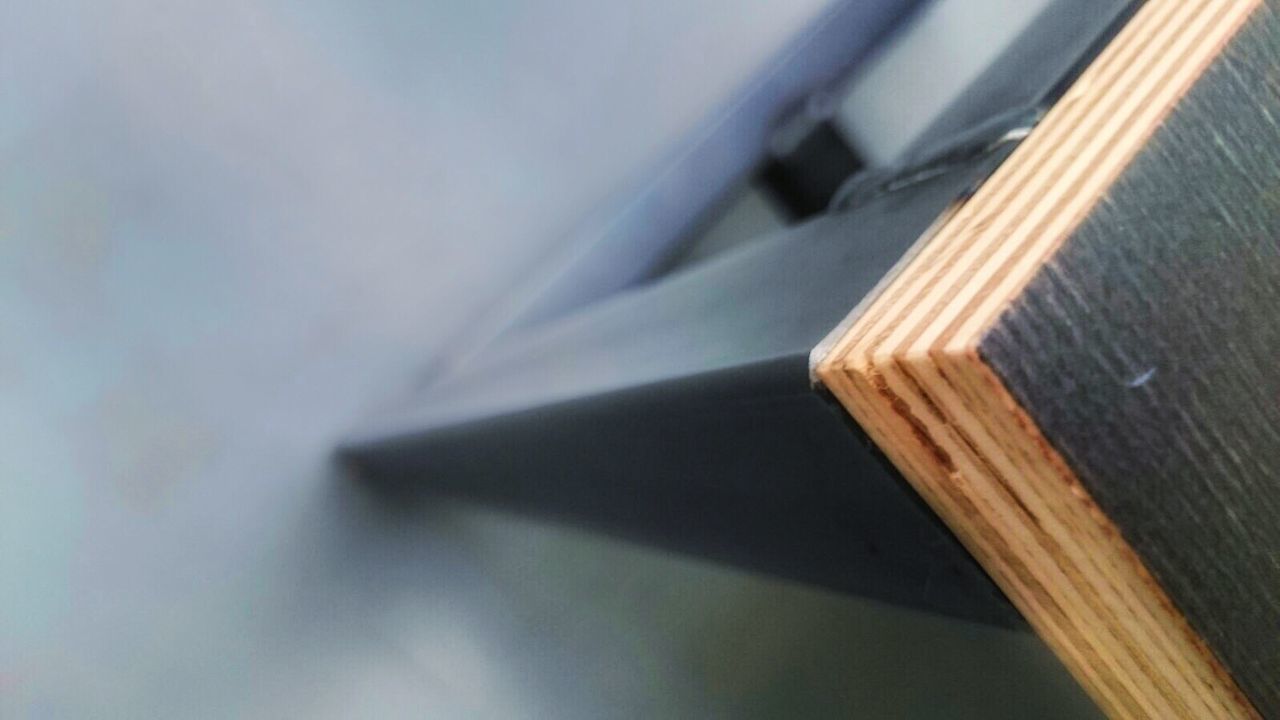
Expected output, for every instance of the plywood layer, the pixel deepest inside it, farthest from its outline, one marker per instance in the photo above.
(985, 369)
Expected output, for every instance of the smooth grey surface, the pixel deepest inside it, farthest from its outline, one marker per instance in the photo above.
(1146, 348)
(229, 229)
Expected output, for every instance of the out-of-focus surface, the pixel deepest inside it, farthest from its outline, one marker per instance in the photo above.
(230, 230)
(908, 85)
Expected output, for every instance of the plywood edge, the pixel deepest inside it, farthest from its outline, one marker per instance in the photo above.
(907, 368)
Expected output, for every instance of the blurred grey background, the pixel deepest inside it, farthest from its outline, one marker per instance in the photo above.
(231, 231)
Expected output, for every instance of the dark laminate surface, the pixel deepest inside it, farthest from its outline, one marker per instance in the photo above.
(1146, 350)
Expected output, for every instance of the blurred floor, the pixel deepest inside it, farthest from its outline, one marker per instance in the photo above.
(228, 231)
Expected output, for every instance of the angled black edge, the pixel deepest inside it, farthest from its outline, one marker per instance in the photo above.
(745, 466)
(682, 414)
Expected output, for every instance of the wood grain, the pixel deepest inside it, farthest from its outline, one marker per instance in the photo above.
(984, 369)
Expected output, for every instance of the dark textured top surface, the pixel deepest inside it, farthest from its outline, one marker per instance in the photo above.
(1147, 353)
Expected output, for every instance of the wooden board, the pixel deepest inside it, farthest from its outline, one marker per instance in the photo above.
(1078, 368)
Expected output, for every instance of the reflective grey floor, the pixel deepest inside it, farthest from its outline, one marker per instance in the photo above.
(229, 231)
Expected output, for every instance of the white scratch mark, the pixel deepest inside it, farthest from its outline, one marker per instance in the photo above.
(1142, 379)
